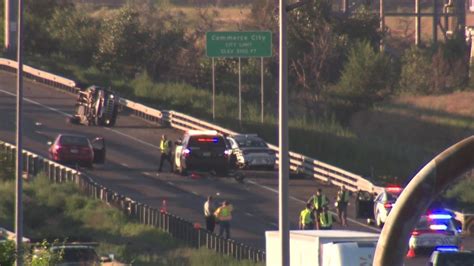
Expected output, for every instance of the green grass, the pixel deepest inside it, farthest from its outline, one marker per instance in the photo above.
(390, 142)
(59, 211)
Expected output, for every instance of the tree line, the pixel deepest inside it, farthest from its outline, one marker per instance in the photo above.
(334, 62)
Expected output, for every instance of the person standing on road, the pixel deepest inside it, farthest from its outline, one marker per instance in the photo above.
(325, 219)
(224, 216)
(342, 200)
(165, 150)
(306, 218)
(209, 209)
(318, 201)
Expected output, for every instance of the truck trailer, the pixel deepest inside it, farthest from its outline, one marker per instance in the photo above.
(323, 248)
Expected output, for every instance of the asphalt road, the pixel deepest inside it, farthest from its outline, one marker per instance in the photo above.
(132, 161)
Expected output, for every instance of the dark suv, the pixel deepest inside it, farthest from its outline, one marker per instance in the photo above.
(201, 150)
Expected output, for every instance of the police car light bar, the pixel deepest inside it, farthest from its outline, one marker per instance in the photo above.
(435, 216)
(215, 140)
(447, 248)
(438, 227)
(393, 189)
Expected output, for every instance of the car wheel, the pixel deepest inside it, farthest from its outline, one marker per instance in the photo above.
(222, 172)
(270, 168)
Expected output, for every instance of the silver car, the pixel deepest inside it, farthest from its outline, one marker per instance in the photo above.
(435, 230)
(250, 151)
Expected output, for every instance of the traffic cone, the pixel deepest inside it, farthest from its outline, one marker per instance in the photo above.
(164, 208)
(411, 253)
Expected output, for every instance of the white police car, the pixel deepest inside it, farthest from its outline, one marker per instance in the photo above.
(447, 255)
(436, 229)
(250, 151)
(384, 203)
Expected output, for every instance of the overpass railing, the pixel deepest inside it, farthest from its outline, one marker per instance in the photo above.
(192, 234)
(298, 162)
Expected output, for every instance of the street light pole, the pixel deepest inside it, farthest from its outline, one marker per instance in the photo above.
(19, 144)
(283, 171)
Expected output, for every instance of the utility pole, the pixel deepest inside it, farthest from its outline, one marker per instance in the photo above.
(19, 142)
(417, 23)
(10, 30)
(283, 170)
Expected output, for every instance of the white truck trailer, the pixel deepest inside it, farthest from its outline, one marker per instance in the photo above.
(323, 248)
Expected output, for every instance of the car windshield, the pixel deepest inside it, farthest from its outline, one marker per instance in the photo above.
(455, 258)
(207, 142)
(77, 254)
(426, 223)
(74, 140)
(392, 196)
(251, 142)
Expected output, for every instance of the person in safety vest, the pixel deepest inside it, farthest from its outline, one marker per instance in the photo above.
(224, 216)
(165, 150)
(306, 218)
(318, 201)
(342, 200)
(325, 219)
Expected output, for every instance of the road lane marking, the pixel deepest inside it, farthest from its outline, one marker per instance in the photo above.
(154, 146)
(274, 224)
(147, 173)
(170, 183)
(248, 214)
(69, 115)
(195, 193)
(124, 165)
(302, 201)
(37, 103)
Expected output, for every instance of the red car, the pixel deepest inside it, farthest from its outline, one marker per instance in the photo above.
(77, 149)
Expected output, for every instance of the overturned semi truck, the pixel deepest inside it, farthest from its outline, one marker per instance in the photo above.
(96, 106)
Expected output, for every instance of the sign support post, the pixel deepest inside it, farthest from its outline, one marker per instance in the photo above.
(213, 91)
(261, 89)
(238, 44)
(240, 95)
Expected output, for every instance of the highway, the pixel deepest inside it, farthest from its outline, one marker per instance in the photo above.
(132, 162)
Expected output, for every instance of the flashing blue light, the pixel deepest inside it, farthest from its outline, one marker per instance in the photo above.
(447, 248)
(186, 151)
(435, 216)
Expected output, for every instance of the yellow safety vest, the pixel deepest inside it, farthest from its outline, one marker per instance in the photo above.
(319, 201)
(343, 196)
(164, 146)
(305, 216)
(325, 219)
(224, 213)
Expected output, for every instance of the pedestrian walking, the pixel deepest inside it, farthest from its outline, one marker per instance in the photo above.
(325, 219)
(342, 201)
(224, 217)
(165, 150)
(209, 208)
(306, 218)
(318, 201)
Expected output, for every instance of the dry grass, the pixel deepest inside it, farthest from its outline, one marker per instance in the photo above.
(415, 129)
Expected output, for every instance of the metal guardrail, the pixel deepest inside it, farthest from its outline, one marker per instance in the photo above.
(298, 162)
(174, 225)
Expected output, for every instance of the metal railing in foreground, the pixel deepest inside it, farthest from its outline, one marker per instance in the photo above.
(192, 235)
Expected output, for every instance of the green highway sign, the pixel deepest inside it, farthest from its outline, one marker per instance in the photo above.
(239, 44)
